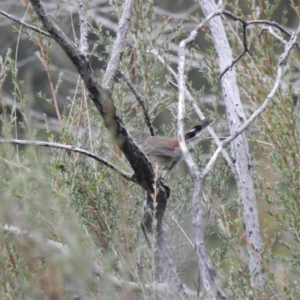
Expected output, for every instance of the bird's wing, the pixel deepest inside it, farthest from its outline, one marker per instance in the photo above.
(159, 151)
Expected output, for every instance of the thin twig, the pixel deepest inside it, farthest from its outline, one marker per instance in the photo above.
(245, 44)
(254, 22)
(262, 108)
(140, 100)
(206, 271)
(182, 87)
(115, 57)
(272, 32)
(71, 148)
(15, 19)
(231, 66)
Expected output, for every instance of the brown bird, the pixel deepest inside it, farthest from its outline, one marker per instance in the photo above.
(165, 152)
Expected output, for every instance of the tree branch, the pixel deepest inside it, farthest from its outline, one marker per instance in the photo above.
(115, 57)
(125, 175)
(15, 19)
(102, 99)
(245, 25)
(283, 57)
(84, 47)
(239, 148)
(205, 269)
(139, 99)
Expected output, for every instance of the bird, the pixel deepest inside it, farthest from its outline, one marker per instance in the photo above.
(164, 152)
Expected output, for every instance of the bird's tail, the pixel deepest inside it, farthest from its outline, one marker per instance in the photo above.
(196, 130)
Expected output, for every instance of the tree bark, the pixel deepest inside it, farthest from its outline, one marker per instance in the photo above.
(242, 165)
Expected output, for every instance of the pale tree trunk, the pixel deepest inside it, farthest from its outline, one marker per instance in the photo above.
(241, 161)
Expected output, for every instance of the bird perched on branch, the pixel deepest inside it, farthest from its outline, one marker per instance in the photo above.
(165, 152)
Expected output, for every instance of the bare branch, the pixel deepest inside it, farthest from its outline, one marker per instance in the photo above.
(84, 47)
(140, 100)
(15, 19)
(205, 269)
(125, 175)
(231, 65)
(272, 32)
(207, 272)
(283, 57)
(239, 148)
(113, 64)
(103, 101)
(259, 22)
(245, 25)
(242, 163)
